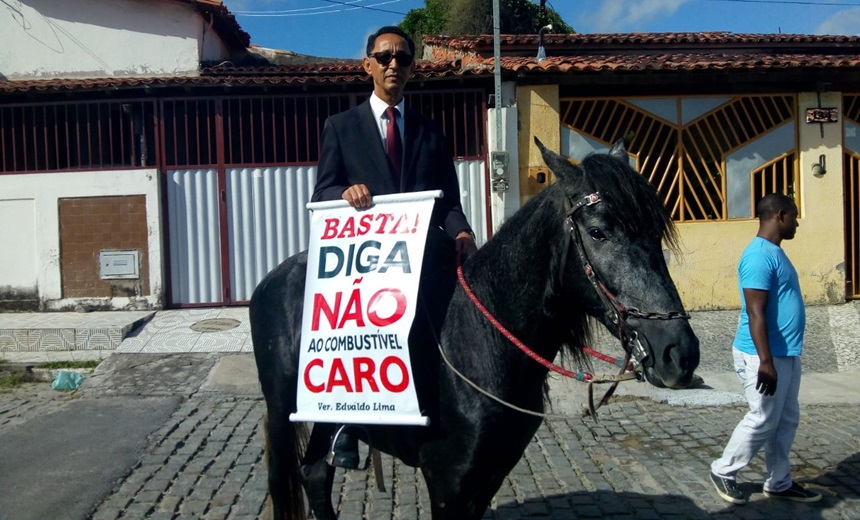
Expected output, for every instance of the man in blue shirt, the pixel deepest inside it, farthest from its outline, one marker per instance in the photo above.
(766, 353)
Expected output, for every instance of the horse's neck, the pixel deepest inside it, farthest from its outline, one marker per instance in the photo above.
(515, 273)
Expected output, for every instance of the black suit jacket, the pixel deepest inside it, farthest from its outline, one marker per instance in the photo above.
(352, 153)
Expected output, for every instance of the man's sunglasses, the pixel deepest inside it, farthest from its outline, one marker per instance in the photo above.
(404, 59)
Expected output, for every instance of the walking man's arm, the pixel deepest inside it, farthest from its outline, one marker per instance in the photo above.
(756, 302)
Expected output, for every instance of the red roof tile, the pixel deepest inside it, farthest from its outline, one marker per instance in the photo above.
(236, 76)
(594, 53)
(323, 67)
(645, 52)
(673, 62)
(606, 41)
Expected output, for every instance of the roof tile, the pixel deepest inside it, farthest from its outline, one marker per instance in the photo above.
(234, 76)
(594, 53)
(629, 39)
(688, 62)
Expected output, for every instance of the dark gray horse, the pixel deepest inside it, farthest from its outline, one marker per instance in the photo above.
(589, 245)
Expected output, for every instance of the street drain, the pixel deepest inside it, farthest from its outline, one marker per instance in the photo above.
(215, 325)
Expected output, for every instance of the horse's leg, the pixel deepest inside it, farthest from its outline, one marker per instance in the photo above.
(466, 469)
(317, 476)
(455, 495)
(283, 441)
(275, 314)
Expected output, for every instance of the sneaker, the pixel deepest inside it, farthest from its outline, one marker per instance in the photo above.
(796, 493)
(728, 489)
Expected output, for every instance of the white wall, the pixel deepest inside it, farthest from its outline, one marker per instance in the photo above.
(103, 38)
(18, 254)
(33, 234)
(505, 204)
(211, 47)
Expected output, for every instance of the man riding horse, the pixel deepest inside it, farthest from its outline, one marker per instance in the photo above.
(382, 147)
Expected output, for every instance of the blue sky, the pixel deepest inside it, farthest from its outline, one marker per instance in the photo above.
(330, 28)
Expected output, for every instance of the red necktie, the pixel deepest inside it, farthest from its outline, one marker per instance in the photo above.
(393, 146)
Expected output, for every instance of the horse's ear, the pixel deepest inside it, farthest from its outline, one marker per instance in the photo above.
(619, 151)
(558, 164)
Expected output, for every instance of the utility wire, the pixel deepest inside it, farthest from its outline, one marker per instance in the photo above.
(350, 5)
(288, 11)
(787, 2)
(370, 7)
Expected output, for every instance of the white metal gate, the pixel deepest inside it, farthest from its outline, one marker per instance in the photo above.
(266, 222)
(195, 241)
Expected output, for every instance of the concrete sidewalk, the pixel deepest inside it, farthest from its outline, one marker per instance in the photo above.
(832, 336)
(831, 358)
(719, 389)
(237, 374)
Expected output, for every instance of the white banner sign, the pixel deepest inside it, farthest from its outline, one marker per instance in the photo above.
(361, 290)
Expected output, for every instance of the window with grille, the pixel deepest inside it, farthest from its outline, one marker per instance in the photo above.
(461, 115)
(851, 183)
(255, 130)
(77, 136)
(710, 158)
(287, 130)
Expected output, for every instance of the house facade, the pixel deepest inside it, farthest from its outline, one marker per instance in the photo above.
(175, 173)
(79, 184)
(715, 121)
(183, 181)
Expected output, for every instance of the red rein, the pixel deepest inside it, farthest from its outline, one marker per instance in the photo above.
(579, 376)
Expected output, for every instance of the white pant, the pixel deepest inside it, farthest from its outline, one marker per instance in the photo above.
(771, 422)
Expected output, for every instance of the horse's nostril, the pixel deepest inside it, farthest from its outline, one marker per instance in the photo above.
(671, 357)
(682, 359)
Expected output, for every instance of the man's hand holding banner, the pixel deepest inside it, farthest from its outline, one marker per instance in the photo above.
(361, 291)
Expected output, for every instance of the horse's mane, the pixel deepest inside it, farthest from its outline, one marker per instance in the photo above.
(630, 197)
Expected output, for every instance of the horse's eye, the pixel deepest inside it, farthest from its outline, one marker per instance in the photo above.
(596, 235)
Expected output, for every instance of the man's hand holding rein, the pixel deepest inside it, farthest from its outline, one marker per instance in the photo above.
(464, 244)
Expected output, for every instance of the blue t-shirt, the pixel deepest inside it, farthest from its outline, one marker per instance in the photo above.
(765, 266)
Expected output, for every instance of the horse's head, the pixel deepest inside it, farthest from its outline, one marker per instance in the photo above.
(615, 226)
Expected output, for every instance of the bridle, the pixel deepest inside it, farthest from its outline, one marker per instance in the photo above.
(638, 354)
(616, 312)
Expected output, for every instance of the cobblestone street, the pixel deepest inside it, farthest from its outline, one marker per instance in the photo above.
(642, 460)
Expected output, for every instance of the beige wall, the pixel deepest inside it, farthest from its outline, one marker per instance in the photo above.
(537, 109)
(705, 271)
(705, 274)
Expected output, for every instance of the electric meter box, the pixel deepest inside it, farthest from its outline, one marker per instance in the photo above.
(119, 264)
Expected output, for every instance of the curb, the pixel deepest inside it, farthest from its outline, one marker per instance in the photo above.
(35, 374)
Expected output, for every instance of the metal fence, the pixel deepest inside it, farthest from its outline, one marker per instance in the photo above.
(92, 135)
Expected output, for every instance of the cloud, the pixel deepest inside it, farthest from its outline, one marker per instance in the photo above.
(843, 22)
(615, 16)
(261, 5)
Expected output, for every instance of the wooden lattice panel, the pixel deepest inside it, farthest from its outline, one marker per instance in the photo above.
(851, 179)
(777, 176)
(852, 226)
(685, 162)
